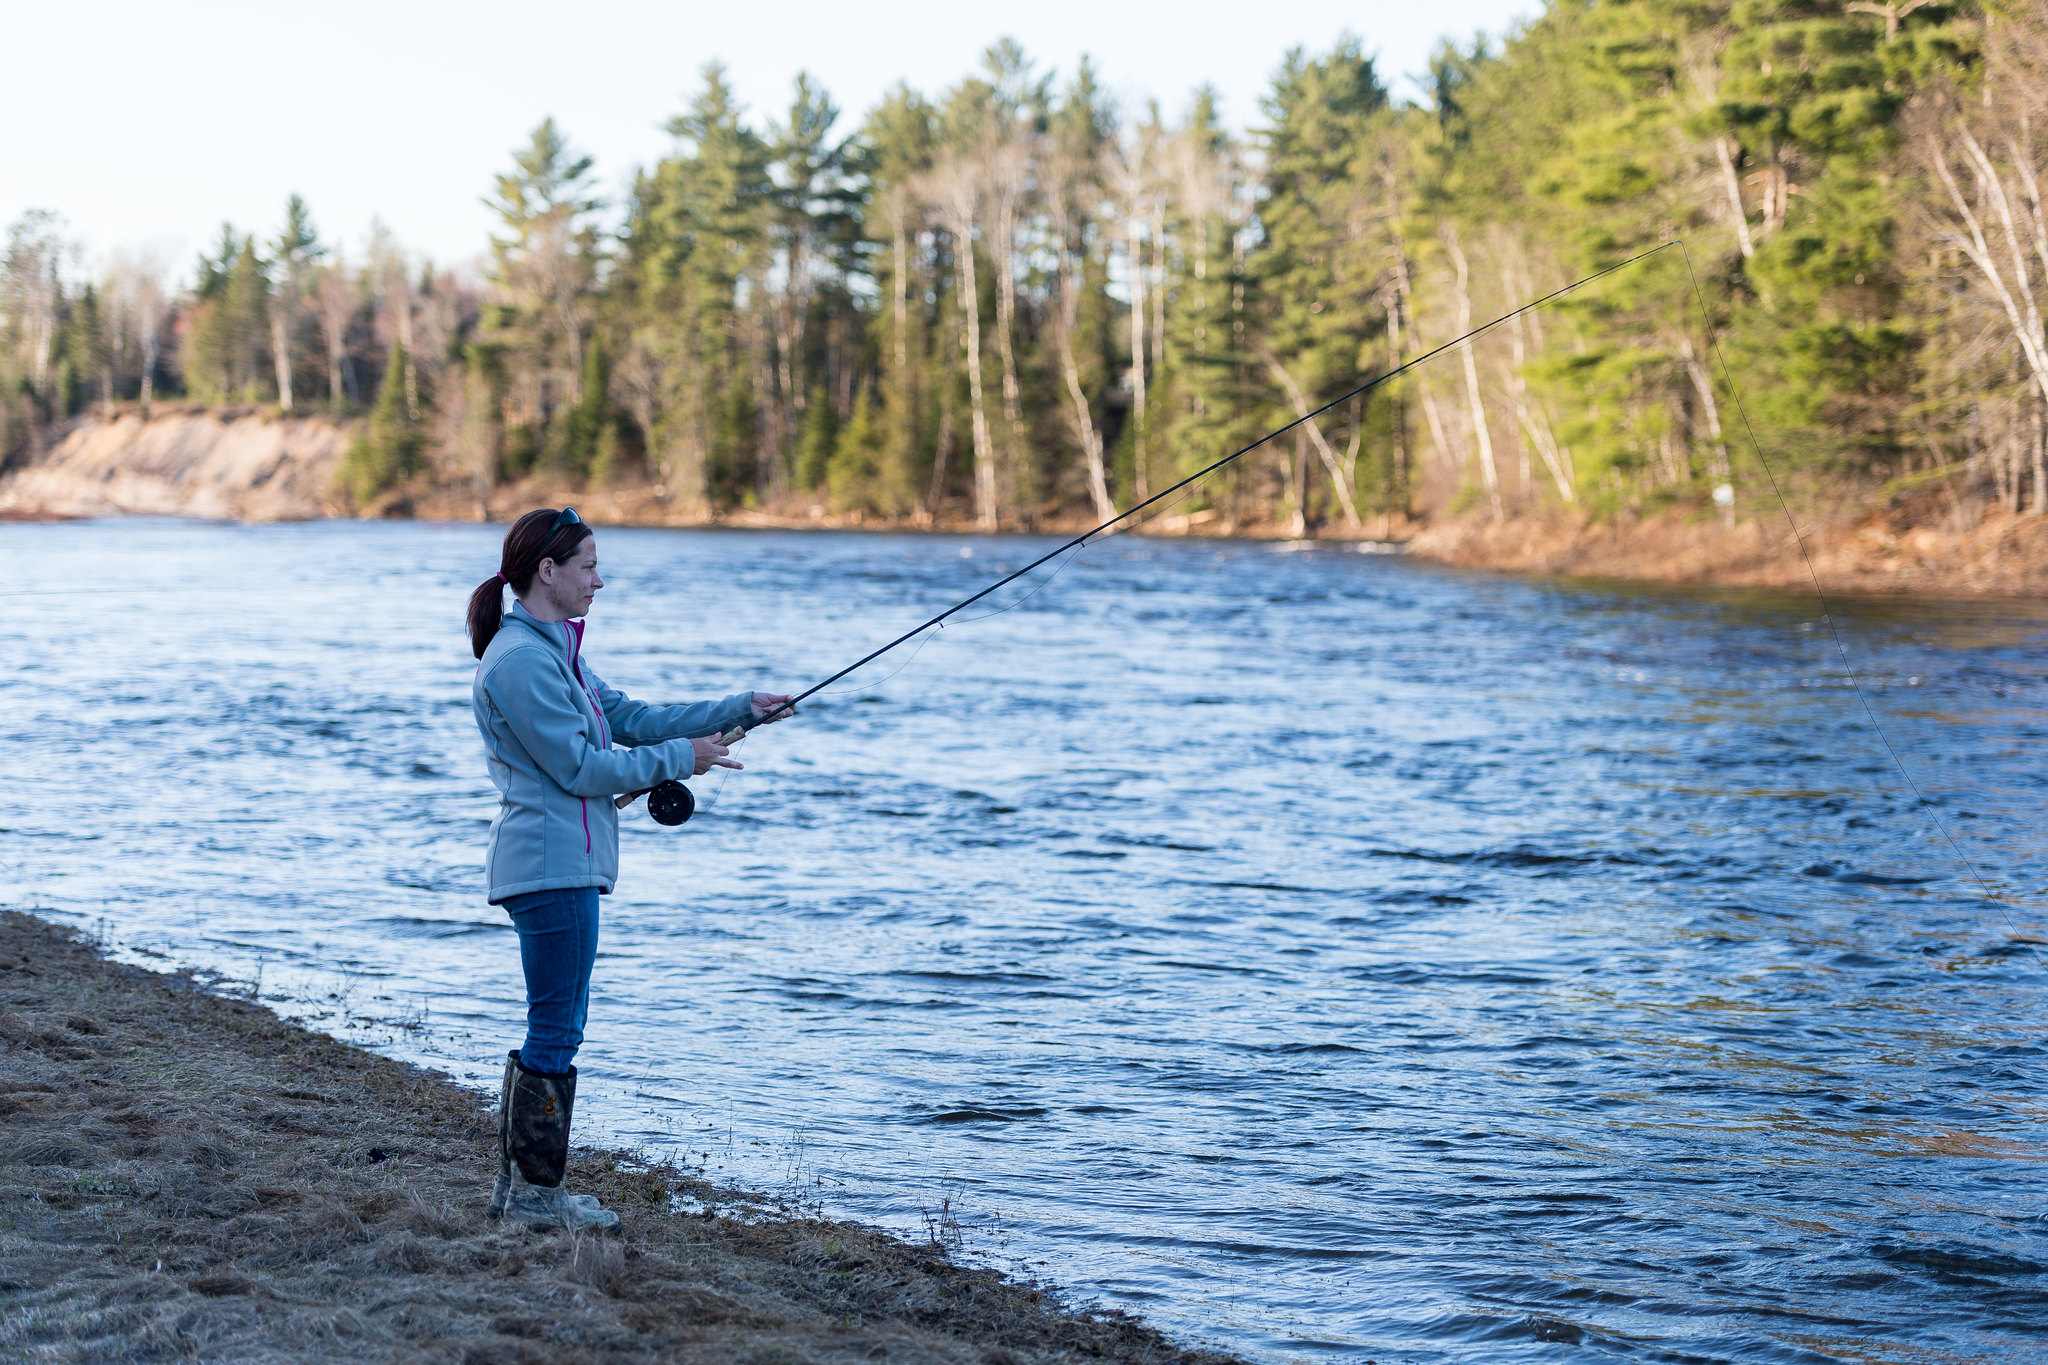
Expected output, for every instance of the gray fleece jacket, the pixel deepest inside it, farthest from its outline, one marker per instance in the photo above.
(549, 725)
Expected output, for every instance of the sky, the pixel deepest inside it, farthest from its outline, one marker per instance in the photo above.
(145, 125)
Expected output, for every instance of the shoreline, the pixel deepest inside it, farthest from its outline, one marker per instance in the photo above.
(1917, 537)
(186, 1173)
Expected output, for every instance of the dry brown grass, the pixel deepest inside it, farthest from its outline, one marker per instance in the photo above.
(186, 1176)
(1916, 545)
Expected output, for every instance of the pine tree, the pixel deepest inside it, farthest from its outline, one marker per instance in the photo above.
(1316, 282)
(856, 460)
(388, 451)
(591, 418)
(698, 241)
(820, 437)
(295, 252)
(544, 268)
(893, 152)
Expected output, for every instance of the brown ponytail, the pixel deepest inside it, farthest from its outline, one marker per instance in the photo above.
(529, 541)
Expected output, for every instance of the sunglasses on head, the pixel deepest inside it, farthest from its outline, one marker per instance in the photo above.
(566, 517)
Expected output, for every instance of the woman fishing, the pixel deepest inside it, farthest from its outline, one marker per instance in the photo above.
(550, 725)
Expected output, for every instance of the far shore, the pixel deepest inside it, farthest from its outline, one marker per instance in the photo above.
(1929, 538)
(186, 1174)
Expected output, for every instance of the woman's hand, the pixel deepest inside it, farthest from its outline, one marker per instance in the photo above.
(766, 702)
(711, 754)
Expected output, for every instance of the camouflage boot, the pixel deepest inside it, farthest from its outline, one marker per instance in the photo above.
(536, 1119)
(501, 1189)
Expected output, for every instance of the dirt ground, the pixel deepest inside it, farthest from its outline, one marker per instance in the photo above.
(1919, 548)
(186, 1176)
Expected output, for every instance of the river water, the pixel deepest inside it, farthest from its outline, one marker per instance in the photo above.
(1330, 957)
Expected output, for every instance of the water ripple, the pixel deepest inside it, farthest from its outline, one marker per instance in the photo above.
(1328, 956)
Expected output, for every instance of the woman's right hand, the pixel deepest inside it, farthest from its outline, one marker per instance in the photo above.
(711, 754)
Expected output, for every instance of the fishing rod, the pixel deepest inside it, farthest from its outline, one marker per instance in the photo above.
(671, 802)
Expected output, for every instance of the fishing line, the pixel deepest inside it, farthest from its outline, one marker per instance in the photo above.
(907, 662)
(1826, 611)
(723, 774)
(671, 802)
(1042, 584)
(1046, 582)
(1081, 540)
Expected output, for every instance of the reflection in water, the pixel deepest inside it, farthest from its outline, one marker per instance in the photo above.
(1325, 955)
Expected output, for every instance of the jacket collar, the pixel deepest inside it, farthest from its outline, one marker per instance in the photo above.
(566, 636)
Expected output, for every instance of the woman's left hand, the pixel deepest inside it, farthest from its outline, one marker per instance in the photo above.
(767, 702)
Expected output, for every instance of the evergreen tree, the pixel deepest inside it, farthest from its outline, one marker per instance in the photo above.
(229, 339)
(84, 358)
(891, 155)
(1315, 287)
(698, 242)
(856, 461)
(388, 451)
(544, 268)
(590, 419)
(296, 250)
(820, 437)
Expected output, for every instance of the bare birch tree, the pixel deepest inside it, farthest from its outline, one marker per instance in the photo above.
(1481, 437)
(29, 270)
(295, 251)
(1404, 336)
(1064, 182)
(392, 282)
(135, 290)
(336, 295)
(1339, 477)
(1134, 180)
(1724, 151)
(954, 190)
(1998, 225)
(1534, 423)
(1008, 170)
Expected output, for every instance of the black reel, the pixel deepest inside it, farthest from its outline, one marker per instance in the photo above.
(671, 803)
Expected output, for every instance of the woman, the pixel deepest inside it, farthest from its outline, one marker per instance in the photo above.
(549, 725)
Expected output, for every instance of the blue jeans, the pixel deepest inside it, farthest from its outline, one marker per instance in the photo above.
(557, 945)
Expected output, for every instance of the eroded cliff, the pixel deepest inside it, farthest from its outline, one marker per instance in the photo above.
(188, 462)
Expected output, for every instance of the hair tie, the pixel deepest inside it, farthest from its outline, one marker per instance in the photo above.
(500, 576)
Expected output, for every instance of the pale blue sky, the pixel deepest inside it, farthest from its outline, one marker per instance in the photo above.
(148, 123)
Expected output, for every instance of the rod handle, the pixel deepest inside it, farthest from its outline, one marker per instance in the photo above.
(729, 738)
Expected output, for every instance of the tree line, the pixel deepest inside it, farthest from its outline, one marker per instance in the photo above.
(1010, 301)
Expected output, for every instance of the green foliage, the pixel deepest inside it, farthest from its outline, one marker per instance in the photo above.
(82, 352)
(856, 461)
(788, 310)
(820, 438)
(591, 417)
(227, 350)
(388, 452)
(545, 258)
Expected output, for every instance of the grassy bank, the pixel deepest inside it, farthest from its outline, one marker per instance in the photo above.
(185, 1175)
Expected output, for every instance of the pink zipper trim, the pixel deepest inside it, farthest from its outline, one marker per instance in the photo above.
(604, 729)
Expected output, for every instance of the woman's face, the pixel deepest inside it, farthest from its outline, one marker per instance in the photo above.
(571, 586)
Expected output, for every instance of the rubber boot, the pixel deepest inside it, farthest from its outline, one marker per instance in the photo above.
(501, 1188)
(537, 1115)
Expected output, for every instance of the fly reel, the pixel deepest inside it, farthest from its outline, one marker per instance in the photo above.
(671, 803)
